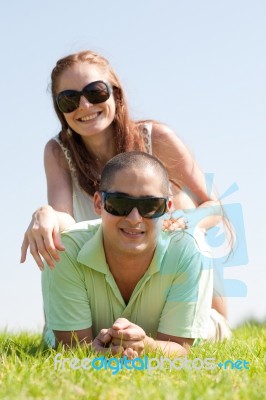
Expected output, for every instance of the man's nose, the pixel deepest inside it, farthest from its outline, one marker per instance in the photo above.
(134, 216)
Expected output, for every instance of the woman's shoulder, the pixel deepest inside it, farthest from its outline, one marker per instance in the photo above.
(54, 150)
(165, 140)
(52, 145)
(161, 130)
(156, 128)
(157, 134)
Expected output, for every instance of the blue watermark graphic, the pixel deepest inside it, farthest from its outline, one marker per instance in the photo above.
(226, 241)
(115, 365)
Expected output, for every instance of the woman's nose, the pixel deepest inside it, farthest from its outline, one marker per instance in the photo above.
(83, 102)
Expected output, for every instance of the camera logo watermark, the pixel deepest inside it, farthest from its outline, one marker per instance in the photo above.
(225, 243)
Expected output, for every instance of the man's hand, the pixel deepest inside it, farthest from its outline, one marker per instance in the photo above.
(124, 338)
(103, 343)
(128, 336)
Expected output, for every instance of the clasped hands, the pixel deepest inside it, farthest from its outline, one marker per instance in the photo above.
(124, 338)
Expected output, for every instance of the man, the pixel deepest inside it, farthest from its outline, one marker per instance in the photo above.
(125, 284)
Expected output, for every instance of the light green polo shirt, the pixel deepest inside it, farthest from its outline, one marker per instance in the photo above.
(173, 296)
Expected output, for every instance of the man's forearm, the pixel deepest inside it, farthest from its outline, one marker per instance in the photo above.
(74, 338)
(167, 347)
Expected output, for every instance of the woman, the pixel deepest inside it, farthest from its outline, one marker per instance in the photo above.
(95, 125)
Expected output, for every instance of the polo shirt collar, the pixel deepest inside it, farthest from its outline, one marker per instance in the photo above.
(161, 248)
(92, 253)
(93, 256)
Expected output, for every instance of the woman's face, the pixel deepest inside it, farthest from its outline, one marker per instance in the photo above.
(88, 119)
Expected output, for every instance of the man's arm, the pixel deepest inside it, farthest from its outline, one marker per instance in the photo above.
(65, 297)
(131, 340)
(72, 338)
(169, 345)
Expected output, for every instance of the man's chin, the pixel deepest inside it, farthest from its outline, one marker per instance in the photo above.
(133, 248)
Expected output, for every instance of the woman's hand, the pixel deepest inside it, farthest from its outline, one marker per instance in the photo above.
(174, 220)
(174, 224)
(43, 237)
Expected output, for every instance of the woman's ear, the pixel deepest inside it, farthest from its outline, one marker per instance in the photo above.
(97, 201)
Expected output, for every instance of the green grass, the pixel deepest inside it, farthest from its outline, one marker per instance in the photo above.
(27, 372)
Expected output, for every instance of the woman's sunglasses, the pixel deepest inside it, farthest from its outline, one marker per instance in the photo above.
(121, 205)
(95, 92)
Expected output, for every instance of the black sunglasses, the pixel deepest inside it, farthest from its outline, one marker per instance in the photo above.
(95, 92)
(121, 205)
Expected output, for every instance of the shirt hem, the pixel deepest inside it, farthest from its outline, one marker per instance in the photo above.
(65, 328)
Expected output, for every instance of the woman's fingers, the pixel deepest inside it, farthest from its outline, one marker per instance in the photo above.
(35, 254)
(24, 248)
(43, 238)
(57, 240)
(38, 250)
(174, 224)
(41, 244)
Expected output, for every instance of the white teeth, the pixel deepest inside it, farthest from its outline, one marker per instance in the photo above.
(89, 117)
(132, 233)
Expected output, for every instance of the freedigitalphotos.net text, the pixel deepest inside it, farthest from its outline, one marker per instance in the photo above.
(150, 364)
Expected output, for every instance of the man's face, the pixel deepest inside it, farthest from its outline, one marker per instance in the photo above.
(132, 234)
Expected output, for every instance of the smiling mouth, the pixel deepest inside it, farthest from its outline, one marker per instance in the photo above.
(89, 117)
(132, 232)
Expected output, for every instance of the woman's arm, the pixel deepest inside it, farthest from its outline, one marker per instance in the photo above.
(186, 175)
(43, 233)
(184, 172)
(58, 177)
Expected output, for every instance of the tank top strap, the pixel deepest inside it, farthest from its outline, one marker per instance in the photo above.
(67, 155)
(145, 130)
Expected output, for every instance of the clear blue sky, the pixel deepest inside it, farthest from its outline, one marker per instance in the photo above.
(198, 66)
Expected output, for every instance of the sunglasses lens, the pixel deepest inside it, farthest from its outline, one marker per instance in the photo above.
(68, 101)
(152, 208)
(96, 92)
(120, 205)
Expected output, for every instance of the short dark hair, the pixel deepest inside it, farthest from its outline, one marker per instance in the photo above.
(133, 159)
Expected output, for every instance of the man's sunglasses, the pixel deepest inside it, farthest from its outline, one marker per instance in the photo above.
(121, 205)
(95, 92)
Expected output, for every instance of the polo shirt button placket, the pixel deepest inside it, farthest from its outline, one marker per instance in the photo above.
(111, 282)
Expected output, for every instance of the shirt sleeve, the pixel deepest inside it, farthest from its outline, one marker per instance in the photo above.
(66, 303)
(186, 312)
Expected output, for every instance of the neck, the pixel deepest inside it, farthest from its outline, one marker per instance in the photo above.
(127, 271)
(128, 268)
(101, 146)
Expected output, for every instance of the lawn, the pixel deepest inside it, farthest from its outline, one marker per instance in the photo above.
(30, 371)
